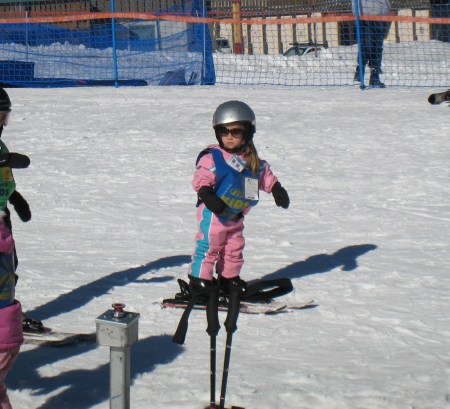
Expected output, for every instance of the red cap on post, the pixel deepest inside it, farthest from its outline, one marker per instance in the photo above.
(118, 310)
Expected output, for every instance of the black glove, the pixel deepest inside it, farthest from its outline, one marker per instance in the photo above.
(20, 206)
(14, 160)
(280, 195)
(4, 159)
(7, 219)
(211, 200)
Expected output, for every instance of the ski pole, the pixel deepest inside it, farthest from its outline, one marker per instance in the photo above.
(180, 333)
(212, 380)
(200, 291)
(212, 316)
(231, 327)
(226, 365)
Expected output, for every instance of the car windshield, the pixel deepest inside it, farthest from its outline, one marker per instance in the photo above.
(296, 51)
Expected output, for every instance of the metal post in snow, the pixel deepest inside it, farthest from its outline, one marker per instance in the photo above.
(118, 329)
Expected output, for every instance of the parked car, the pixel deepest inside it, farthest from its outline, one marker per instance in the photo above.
(223, 45)
(304, 48)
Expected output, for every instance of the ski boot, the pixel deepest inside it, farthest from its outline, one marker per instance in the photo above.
(375, 79)
(226, 285)
(356, 77)
(31, 325)
(201, 289)
(185, 293)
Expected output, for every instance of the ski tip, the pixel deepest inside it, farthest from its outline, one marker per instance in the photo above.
(439, 98)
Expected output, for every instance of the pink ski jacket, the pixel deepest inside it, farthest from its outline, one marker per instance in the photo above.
(205, 174)
(11, 335)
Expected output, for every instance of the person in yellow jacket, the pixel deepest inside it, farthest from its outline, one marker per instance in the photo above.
(9, 195)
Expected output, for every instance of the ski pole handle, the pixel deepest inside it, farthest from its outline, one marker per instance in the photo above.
(233, 309)
(180, 333)
(212, 311)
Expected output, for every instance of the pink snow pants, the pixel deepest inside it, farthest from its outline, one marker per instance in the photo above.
(7, 358)
(217, 245)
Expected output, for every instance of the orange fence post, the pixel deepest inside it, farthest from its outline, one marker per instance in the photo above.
(238, 45)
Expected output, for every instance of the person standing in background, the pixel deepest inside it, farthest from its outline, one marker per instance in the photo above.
(372, 34)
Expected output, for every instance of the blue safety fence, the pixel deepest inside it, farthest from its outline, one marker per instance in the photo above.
(100, 49)
(302, 42)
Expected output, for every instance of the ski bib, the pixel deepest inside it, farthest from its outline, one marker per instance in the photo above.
(7, 280)
(235, 184)
(7, 183)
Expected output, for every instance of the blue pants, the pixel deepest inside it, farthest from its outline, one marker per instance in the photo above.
(372, 37)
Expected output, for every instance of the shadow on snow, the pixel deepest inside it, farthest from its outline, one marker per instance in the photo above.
(81, 387)
(345, 258)
(84, 388)
(82, 295)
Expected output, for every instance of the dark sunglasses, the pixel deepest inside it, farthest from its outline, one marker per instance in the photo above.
(237, 133)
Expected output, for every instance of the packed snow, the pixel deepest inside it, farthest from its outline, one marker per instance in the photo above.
(366, 236)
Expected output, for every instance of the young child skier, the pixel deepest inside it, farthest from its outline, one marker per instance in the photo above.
(227, 179)
(11, 336)
(8, 192)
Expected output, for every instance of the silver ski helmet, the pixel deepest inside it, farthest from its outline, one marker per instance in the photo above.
(235, 111)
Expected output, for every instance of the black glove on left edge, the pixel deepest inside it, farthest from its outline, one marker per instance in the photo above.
(20, 206)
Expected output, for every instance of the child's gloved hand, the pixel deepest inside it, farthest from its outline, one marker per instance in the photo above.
(211, 200)
(14, 160)
(20, 206)
(280, 195)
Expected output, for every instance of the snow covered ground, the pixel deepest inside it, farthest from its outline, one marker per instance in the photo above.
(366, 236)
